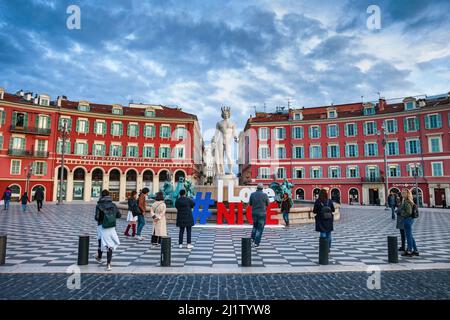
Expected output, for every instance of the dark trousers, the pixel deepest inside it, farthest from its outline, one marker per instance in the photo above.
(39, 204)
(189, 231)
(100, 252)
(393, 212)
(157, 239)
(403, 238)
(259, 221)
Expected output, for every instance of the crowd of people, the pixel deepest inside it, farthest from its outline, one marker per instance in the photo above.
(24, 199)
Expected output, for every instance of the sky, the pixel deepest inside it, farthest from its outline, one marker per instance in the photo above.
(203, 54)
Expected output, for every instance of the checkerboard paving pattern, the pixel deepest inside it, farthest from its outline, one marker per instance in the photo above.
(50, 238)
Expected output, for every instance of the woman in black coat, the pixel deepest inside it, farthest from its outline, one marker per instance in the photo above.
(323, 207)
(185, 220)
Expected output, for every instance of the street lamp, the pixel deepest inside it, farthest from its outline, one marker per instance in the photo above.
(386, 174)
(61, 169)
(29, 172)
(416, 174)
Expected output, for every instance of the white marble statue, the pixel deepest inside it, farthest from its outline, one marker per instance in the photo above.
(222, 143)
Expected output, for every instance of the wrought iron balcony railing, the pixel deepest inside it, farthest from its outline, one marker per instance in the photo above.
(27, 153)
(31, 130)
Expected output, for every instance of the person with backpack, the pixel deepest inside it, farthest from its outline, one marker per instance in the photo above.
(24, 199)
(7, 197)
(286, 208)
(39, 197)
(158, 211)
(133, 212)
(106, 214)
(142, 203)
(185, 220)
(259, 201)
(409, 212)
(323, 210)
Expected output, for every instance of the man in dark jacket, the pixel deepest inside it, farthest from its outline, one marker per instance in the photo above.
(392, 202)
(259, 201)
(142, 204)
(185, 220)
(7, 197)
(39, 197)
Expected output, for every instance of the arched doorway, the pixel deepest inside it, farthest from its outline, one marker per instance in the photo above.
(97, 183)
(336, 195)
(300, 194)
(164, 176)
(131, 184)
(15, 192)
(413, 191)
(147, 180)
(316, 192)
(79, 175)
(178, 175)
(114, 184)
(33, 191)
(64, 183)
(353, 196)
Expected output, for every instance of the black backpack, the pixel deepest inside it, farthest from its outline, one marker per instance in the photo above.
(325, 211)
(415, 211)
(110, 214)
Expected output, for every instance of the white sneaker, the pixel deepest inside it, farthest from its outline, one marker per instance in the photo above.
(180, 246)
(99, 260)
(190, 246)
(108, 267)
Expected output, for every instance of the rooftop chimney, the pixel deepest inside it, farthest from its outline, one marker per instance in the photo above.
(19, 93)
(2, 93)
(28, 96)
(381, 104)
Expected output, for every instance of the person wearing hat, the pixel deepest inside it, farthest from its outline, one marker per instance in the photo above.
(259, 202)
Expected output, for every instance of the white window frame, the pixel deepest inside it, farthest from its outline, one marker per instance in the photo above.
(430, 144)
(260, 152)
(43, 165)
(175, 152)
(276, 151)
(260, 169)
(284, 173)
(11, 167)
(283, 129)
(96, 122)
(266, 130)
(432, 168)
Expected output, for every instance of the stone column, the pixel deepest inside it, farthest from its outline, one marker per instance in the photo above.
(122, 190)
(432, 200)
(105, 182)
(69, 191)
(365, 195)
(447, 195)
(88, 186)
(155, 183)
(55, 186)
(139, 182)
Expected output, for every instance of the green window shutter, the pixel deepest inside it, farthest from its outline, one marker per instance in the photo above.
(346, 130)
(36, 122)
(77, 128)
(14, 118)
(103, 128)
(87, 126)
(103, 150)
(329, 172)
(2, 117)
(1, 142)
(128, 130)
(427, 122)
(395, 126)
(48, 122)
(120, 151)
(365, 128)
(376, 149)
(439, 121)
(328, 131)
(137, 130)
(153, 131)
(407, 147)
(310, 132)
(45, 168)
(96, 127)
(110, 150)
(121, 131)
(366, 149)
(405, 124)
(25, 120)
(34, 166)
(417, 123)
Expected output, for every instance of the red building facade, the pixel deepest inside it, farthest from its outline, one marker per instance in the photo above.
(342, 148)
(106, 146)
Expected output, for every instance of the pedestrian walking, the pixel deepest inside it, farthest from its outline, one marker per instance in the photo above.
(286, 208)
(132, 216)
(142, 203)
(24, 199)
(408, 210)
(401, 227)
(39, 197)
(185, 220)
(392, 202)
(323, 210)
(7, 197)
(106, 214)
(158, 211)
(259, 201)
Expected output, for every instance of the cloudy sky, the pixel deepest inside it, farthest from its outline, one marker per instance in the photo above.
(202, 54)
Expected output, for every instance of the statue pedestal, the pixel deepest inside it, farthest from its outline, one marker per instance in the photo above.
(226, 178)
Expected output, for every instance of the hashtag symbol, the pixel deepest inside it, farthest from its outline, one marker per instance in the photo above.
(205, 203)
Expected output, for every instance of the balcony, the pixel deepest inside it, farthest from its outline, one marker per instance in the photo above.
(27, 153)
(372, 179)
(30, 130)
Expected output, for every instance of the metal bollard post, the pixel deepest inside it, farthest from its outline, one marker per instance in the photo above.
(246, 252)
(323, 251)
(166, 245)
(2, 249)
(83, 250)
(392, 249)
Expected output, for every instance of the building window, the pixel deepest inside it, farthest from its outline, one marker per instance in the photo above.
(299, 152)
(1, 141)
(392, 148)
(280, 133)
(370, 128)
(332, 131)
(371, 149)
(263, 133)
(281, 173)
(83, 107)
(372, 173)
(59, 147)
(351, 150)
(264, 173)
(115, 150)
(116, 129)
(394, 171)
(332, 114)
(410, 105)
(20, 119)
(411, 124)
(17, 143)
(150, 113)
(2, 116)
(413, 146)
(368, 111)
(117, 111)
(164, 152)
(148, 152)
(264, 152)
(15, 167)
(180, 133)
(437, 169)
(82, 126)
(41, 145)
(281, 153)
(391, 126)
(133, 130)
(43, 122)
(149, 131)
(39, 168)
(179, 152)
(314, 132)
(299, 173)
(67, 121)
(352, 172)
(99, 128)
(132, 152)
(164, 131)
(316, 173)
(350, 130)
(334, 172)
(333, 151)
(315, 152)
(410, 169)
(98, 150)
(433, 121)
(435, 144)
(298, 116)
(297, 133)
(81, 148)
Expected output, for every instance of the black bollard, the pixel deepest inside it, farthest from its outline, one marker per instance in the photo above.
(392, 249)
(246, 252)
(2, 249)
(166, 245)
(83, 250)
(323, 251)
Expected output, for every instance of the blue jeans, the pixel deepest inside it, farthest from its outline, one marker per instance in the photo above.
(6, 204)
(328, 236)
(259, 221)
(393, 212)
(408, 222)
(286, 217)
(140, 224)
(24, 207)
